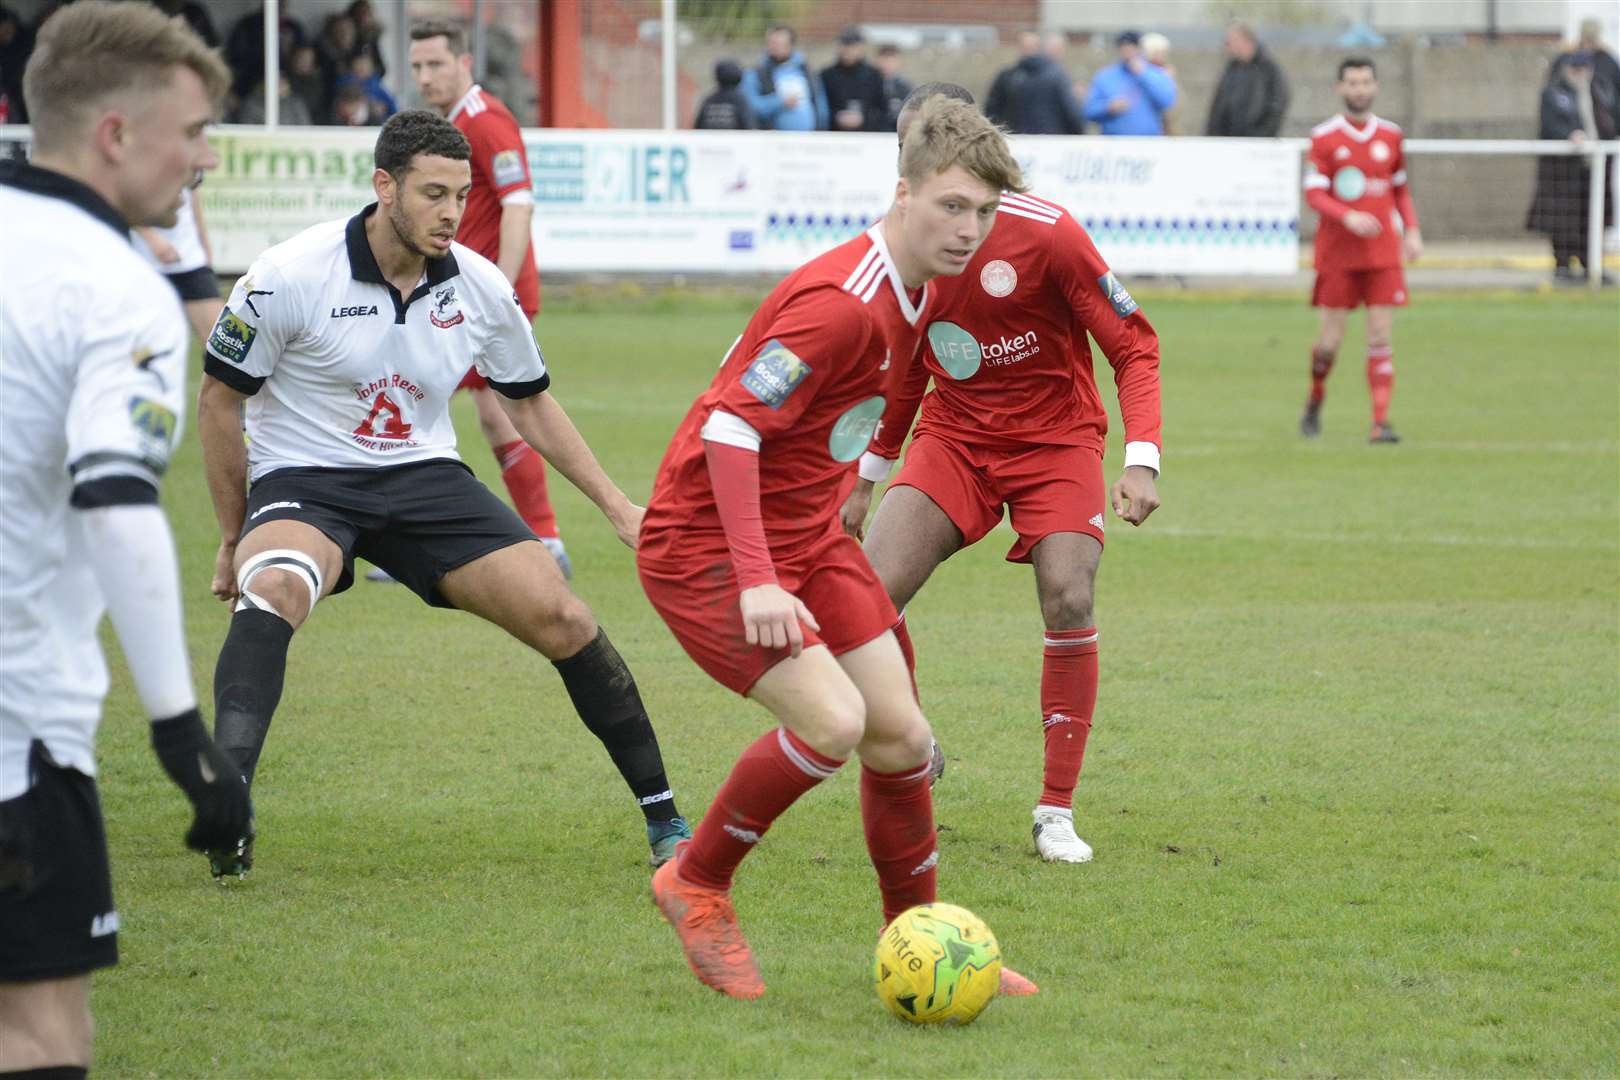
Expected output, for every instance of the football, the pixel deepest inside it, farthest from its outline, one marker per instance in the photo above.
(937, 964)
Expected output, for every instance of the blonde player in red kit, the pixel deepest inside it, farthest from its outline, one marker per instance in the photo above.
(743, 556)
(1357, 183)
(496, 225)
(1015, 420)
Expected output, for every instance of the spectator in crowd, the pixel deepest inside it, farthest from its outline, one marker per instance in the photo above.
(244, 48)
(1252, 97)
(290, 110)
(896, 87)
(1156, 51)
(16, 43)
(353, 107)
(1034, 95)
(726, 109)
(1131, 96)
(309, 84)
(1570, 109)
(338, 43)
(196, 17)
(854, 88)
(1605, 67)
(1055, 47)
(781, 90)
(1605, 87)
(364, 74)
(368, 33)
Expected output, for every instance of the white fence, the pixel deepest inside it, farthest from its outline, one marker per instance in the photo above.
(743, 202)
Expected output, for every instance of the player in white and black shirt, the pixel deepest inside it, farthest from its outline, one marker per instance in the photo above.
(346, 343)
(92, 389)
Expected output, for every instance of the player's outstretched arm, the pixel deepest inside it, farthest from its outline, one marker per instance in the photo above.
(219, 429)
(130, 549)
(546, 427)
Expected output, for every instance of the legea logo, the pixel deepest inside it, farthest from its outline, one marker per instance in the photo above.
(961, 354)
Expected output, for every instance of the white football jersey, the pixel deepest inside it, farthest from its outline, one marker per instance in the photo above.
(343, 372)
(92, 391)
(184, 235)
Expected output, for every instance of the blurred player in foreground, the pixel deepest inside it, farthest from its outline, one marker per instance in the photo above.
(743, 556)
(181, 254)
(1357, 183)
(92, 388)
(1015, 422)
(346, 342)
(500, 208)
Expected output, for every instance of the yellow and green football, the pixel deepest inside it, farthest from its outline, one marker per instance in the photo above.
(937, 964)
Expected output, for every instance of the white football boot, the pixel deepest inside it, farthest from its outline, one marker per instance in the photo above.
(1055, 838)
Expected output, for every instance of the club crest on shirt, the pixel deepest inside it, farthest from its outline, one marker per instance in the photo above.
(507, 168)
(445, 313)
(1379, 150)
(232, 337)
(1124, 303)
(998, 277)
(775, 373)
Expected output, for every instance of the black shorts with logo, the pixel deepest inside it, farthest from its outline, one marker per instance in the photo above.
(56, 911)
(418, 521)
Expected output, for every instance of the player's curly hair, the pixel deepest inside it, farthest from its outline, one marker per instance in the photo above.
(94, 52)
(951, 132)
(418, 131)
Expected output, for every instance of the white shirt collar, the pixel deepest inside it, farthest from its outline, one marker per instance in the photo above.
(912, 312)
(462, 104)
(1359, 134)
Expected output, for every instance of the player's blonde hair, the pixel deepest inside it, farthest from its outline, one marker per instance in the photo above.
(94, 51)
(949, 132)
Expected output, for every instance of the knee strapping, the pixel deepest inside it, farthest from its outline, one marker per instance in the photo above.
(289, 560)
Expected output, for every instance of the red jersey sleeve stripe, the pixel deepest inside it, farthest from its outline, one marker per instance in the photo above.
(1030, 202)
(1005, 209)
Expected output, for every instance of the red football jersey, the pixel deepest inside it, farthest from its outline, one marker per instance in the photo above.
(1363, 169)
(500, 166)
(1007, 349)
(810, 376)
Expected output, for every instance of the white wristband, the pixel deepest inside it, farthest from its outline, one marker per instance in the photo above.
(875, 469)
(1144, 454)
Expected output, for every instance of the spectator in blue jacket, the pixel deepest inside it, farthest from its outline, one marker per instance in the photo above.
(782, 92)
(1130, 97)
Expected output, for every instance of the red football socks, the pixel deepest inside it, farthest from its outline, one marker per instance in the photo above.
(769, 777)
(1381, 380)
(1068, 698)
(897, 811)
(525, 474)
(1321, 367)
(903, 636)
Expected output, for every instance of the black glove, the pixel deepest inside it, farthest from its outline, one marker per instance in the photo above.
(218, 794)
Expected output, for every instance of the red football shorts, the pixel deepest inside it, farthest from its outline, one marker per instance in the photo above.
(693, 587)
(1346, 289)
(473, 381)
(1049, 489)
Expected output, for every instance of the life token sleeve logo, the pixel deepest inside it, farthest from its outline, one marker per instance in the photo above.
(775, 373)
(1124, 304)
(232, 337)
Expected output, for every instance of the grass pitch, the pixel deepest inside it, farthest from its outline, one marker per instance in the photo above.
(1352, 784)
